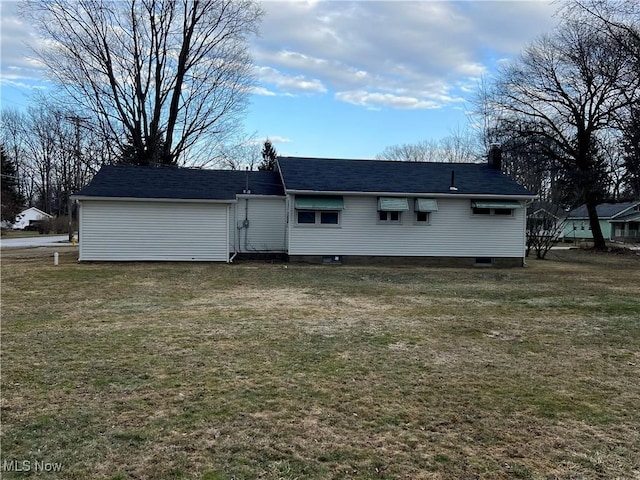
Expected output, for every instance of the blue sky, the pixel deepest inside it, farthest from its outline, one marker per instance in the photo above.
(347, 79)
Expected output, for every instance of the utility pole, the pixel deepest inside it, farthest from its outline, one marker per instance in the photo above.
(72, 184)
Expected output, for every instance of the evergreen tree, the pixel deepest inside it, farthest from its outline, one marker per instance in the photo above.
(269, 156)
(12, 201)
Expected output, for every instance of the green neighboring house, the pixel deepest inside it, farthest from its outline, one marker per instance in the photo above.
(618, 221)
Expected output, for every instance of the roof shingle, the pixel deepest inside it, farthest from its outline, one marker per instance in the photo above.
(179, 183)
(342, 175)
(605, 210)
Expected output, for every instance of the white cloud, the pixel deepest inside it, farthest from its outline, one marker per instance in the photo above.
(396, 50)
(395, 54)
(256, 90)
(277, 139)
(274, 140)
(376, 100)
(17, 61)
(289, 84)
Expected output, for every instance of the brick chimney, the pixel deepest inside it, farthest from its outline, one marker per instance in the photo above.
(495, 156)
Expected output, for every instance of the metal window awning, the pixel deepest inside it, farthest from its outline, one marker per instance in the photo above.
(319, 203)
(393, 204)
(503, 204)
(426, 205)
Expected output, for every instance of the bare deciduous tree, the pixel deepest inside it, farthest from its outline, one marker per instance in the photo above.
(459, 147)
(545, 224)
(160, 76)
(55, 154)
(565, 89)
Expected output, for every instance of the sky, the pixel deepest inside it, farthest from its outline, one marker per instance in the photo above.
(343, 79)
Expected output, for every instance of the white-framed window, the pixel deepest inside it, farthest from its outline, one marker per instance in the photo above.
(318, 217)
(318, 210)
(390, 209)
(389, 217)
(423, 218)
(423, 208)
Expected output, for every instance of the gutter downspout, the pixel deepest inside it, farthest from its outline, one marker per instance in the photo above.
(235, 250)
(245, 224)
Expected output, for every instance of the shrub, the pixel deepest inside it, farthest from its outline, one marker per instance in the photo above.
(57, 225)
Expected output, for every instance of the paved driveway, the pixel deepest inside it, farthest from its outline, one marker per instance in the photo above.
(39, 241)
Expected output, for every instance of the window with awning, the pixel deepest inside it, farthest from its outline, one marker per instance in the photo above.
(495, 207)
(393, 204)
(426, 205)
(499, 204)
(319, 203)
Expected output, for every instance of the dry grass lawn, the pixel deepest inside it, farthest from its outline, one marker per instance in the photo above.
(268, 371)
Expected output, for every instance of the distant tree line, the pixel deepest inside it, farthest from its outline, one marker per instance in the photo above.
(48, 154)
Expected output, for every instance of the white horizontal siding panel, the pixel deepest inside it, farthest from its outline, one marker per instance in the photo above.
(266, 228)
(153, 231)
(453, 232)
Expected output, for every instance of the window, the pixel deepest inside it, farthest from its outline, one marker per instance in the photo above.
(481, 211)
(484, 261)
(318, 210)
(502, 211)
(306, 216)
(423, 208)
(422, 217)
(390, 209)
(329, 218)
(389, 217)
(495, 207)
(312, 217)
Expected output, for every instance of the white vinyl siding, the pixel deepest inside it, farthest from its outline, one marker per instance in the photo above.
(453, 232)
(153, 231)
(267, 225)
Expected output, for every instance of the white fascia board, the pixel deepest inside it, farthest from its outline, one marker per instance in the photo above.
(412, 194)
(158, 200)
(250, 195)
(38, 211)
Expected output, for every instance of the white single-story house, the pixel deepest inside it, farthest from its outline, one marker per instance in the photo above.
(311, 209)
(28, 217)
(618, 221)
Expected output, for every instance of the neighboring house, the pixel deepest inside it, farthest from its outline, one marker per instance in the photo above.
(615, 219)
(545, 219)
(30, 216)
(318, 210)
(626, 226)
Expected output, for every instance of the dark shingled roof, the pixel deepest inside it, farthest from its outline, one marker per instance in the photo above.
(341, 175)
(605, 210)
(179, 183)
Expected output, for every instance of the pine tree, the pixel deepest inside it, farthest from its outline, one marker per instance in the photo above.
(12, 201)
(269, 156)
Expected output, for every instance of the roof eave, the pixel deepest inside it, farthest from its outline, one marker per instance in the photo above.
(148, 199)
(624, 211)
(411, 194)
